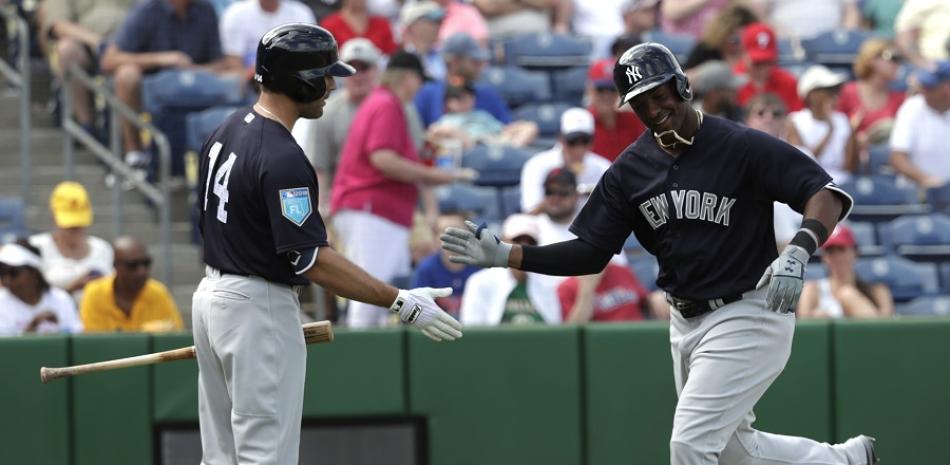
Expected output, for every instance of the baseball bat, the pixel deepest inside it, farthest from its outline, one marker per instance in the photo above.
(313, 333)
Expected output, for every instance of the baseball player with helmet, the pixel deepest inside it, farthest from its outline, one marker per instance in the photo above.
(263, 238)
(697, 191)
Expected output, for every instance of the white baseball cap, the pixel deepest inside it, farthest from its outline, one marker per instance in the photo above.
(521, 224)
(426, 9)
(819, 77)
(17, 255)
(576, 121)
(360, 49)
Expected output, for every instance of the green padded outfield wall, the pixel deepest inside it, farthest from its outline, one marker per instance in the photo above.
(893, 382)
(506, 396)
(112, 421)
(174, 384)
(35, 417)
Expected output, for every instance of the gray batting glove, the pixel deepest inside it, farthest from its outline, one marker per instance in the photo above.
(418, 308)
(785, 278)
(474, 246)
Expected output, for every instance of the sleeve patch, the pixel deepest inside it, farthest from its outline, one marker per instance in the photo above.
(295, 204)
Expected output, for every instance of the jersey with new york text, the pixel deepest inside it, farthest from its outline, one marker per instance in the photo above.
(257, 199)
(705, 214)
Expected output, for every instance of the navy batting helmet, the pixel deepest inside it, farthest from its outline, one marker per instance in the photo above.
(294, 58)
(646, 66)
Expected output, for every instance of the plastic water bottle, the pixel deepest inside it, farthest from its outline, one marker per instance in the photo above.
(450, 155)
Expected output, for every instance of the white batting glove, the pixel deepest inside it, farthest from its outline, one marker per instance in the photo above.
(474, 246)
(785, 278)
(418, 308)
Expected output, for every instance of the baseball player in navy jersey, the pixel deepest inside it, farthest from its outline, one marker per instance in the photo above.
(262, 239)
(698, 193)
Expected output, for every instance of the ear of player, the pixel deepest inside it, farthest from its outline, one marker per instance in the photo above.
(475, 246)
(417, 307)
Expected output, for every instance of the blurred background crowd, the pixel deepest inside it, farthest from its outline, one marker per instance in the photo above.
(503, 112)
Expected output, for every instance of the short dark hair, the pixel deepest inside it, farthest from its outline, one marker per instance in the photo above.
(25, 243)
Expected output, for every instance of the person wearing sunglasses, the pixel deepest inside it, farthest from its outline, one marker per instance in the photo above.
(129, 299)
(843, 294)
(28, 304)
(868, 101)
(573, 151)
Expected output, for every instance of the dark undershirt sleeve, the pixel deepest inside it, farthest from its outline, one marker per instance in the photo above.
(569, 258)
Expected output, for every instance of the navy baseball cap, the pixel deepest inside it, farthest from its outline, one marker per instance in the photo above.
(407, 61)
(462, 44)
(930, 78)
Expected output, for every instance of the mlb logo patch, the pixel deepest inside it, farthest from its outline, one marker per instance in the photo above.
(295, 204)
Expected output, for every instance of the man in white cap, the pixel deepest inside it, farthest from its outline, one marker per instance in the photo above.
(419, 23)
(322, 139)
(572, 152)
(243, 23)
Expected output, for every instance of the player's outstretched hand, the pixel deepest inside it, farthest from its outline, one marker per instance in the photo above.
(475, 246)
(785, 278)
(418, 308)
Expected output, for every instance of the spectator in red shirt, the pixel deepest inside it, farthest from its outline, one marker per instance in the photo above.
(619, 296)
(614, 129)
(760, 63)
(868, 101)
(354, 20)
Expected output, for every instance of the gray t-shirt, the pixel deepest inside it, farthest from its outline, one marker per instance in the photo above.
(322, 139)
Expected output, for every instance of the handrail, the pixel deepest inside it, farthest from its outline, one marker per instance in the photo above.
(160, 196)
(21, 78)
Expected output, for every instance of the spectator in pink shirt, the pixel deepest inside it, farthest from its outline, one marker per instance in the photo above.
(462, 17)
(376, 186)
(688, 17)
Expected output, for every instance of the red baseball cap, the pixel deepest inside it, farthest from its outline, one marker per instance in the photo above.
(840, 237)
(758, 40)
(601, 73)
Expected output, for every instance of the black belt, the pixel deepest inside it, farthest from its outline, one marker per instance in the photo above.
(693, 308)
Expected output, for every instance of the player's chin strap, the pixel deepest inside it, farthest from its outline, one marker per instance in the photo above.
(678, 138)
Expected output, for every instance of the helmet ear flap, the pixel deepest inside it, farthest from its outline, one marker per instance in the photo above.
(682, 86)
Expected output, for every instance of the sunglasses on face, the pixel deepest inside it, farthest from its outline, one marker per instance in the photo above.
(360, 66)
(133, 264)
(11, 271)
(775, 113)
(558, 192)
(582, 140)
(890, 55)
(606, 90)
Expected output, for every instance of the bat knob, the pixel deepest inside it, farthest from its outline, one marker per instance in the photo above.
(43, 375)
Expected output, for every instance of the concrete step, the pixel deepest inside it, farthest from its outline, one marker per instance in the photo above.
(41, 115)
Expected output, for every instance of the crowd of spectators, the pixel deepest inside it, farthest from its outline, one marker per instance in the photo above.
(420, 98)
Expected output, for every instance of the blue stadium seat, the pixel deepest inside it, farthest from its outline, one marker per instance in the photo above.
(866, 237)
(511, 200)
(816, 271)
(646, 268)
(545, 51)
(12, 219)
(944, 270)
(569, 85)
(170, 95)
(907, 280)
(939, 198)
(497, 165)
(879, 158)
(481, 202)
(680, 45)
(790, 52)
(200, 125)
(878, 198)
(519, 86)
(546, 115)
(925, 306)
(798, 68)
(920, 237)
(836, 49)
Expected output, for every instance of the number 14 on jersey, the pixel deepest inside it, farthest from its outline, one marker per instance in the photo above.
(221, 177)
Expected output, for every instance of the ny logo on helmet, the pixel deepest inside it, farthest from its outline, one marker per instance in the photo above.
(633, 74)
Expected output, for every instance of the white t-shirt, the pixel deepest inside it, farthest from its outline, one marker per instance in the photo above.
(61, 271)
(551, 232)
(930, 17)
(244, 23)
(601, 21)
(16, 315)
(922, 133)
(813, 131)
(537, 167)
(805, 18)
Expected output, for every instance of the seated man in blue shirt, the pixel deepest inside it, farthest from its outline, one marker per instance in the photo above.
(437, 271)
(156, 35)
(464, 60)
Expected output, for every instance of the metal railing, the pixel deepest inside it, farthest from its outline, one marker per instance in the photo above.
(112, 156)
(21, 78)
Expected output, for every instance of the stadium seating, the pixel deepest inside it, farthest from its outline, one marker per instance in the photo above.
(944, 270)
(921, 237)
(497, 165)
(201, 124)
(481, 202)
(866, 237)
(646, 268)
(878, 198)
(790, 52)
(835, 49)
(816, 271)
(679, 44)
(12, 219)
(939, 198)
(519, 86)
(906, 279)
(925, 306)
(569, 85)
(879, 157)
(546, 51)
(510, 200)
(546, 115)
